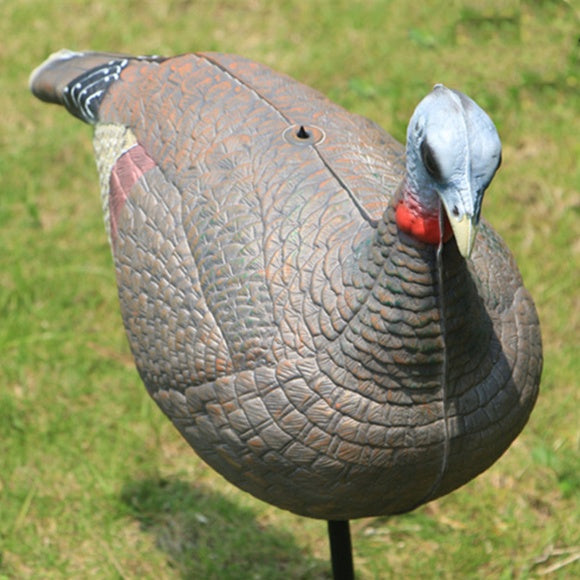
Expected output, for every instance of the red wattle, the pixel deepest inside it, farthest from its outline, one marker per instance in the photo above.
(423, 227)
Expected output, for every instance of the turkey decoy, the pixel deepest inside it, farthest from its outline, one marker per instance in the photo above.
(306, 301)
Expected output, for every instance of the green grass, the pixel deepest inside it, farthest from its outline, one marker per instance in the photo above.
(94, 482)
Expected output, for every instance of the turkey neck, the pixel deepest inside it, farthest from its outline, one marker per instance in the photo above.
(420, 326)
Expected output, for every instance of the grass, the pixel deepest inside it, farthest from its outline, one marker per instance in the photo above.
(94, 482)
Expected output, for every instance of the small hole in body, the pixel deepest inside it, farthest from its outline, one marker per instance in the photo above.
(302, 133)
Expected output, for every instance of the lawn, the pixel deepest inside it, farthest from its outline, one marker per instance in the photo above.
(94, 481)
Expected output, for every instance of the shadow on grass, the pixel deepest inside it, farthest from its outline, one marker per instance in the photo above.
(207, 536)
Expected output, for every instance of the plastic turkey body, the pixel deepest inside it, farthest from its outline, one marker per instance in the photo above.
(309, 351)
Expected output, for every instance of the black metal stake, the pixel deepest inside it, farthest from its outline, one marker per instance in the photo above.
(340, 550)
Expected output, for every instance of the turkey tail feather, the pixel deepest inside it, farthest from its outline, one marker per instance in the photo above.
(79, 80)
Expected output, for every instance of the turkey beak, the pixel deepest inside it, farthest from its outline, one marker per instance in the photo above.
(464, 229)
(463, 218)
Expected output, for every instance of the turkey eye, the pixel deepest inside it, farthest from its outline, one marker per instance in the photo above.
(430, 161)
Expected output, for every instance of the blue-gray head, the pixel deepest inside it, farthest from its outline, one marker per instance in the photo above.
(453, 152)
